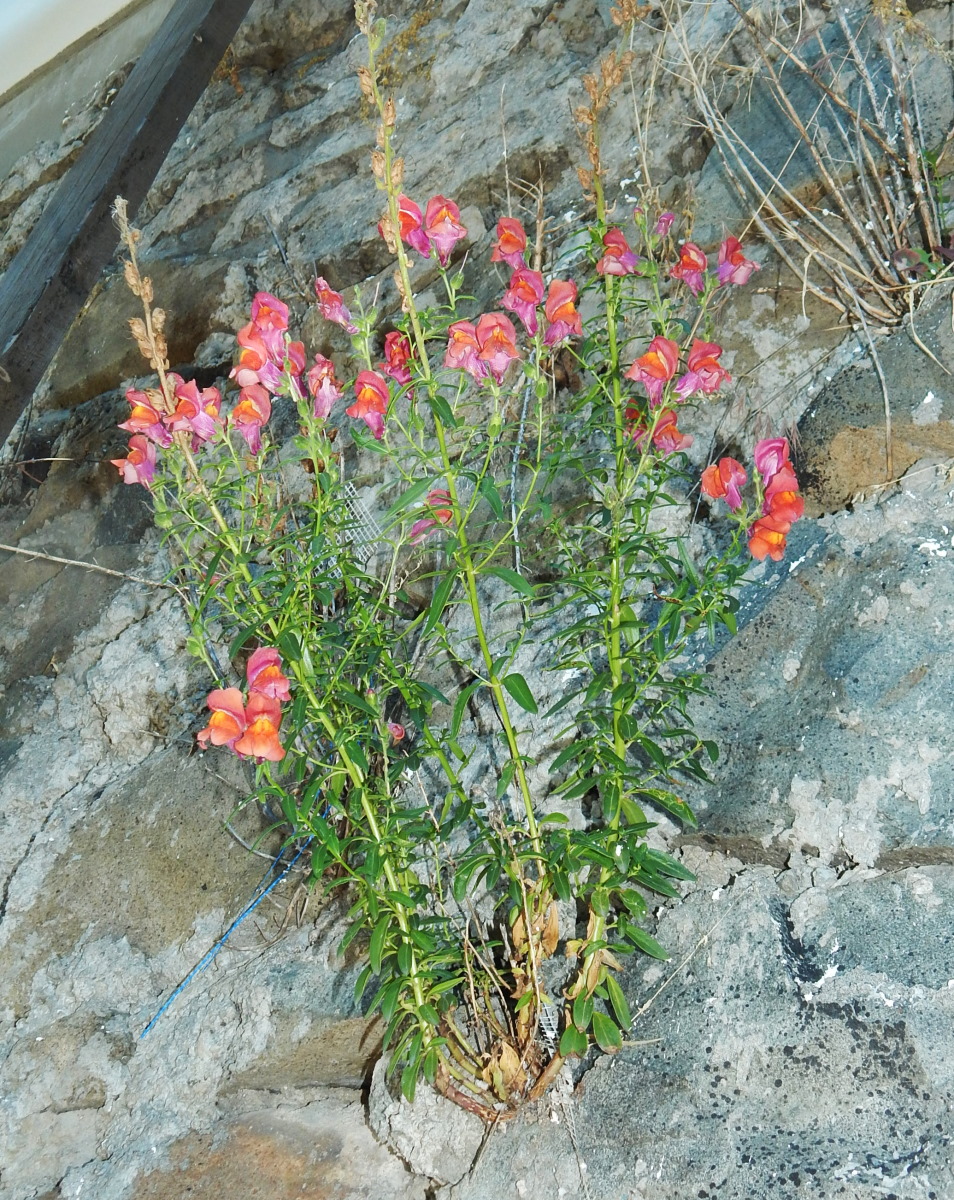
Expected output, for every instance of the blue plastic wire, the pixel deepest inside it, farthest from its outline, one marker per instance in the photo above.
(249, 908)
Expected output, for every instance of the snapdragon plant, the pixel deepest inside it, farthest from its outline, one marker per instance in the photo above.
(388, 702)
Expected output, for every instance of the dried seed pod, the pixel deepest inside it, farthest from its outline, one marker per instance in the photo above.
(131, 275)
(366, 83)
(387, 232)
(399, 284)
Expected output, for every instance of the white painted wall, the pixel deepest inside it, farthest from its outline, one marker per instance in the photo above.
(49, 73)
(34, 31)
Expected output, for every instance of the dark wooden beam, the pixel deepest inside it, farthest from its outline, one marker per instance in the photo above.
(50, 279)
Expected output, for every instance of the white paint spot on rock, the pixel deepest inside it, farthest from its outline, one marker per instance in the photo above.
(928, 412)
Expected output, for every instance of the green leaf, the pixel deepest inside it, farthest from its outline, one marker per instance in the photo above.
(378, 939)
(362, 982)
(505, 777)
(343, 692)
(460, 704)
(618, 1001)
(514, 578)
(430, 1064)
(463, 874)
(440, 598)
(441, 409)
(647, 944)
(488, 489)
(567, 754)
(582, 1011)
(517, 686)
(607, 1033)
(409, 1081)
(430, 1014)
(406, 499)
(573, 1041)
(431, 692)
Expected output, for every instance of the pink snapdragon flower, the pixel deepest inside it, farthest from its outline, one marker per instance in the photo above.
(497, 343)
(560, 310)
(664, 224)
(656, 367)
(411, 221)
(324, 388)
(781, 506)
(264, 674)
(146, 418)
(397, 355)
(523, 295)
(442, 226)
(371, 401)
(767, 538)
(690, 268)
(511, 243)
(269, 313)
(463, 350)
(332, 307)
(261, 353)
(733, 266)
(439, 513)
(723, 481)
(705, 373)
(666, 434)
(770, 454)
(196, 412)
(253, 409)
(227, 723)
(139, 465)
(259, 739)
(618, 258)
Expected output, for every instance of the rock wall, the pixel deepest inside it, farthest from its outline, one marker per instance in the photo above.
(799, 1041)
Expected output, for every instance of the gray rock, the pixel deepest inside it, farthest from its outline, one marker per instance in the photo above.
(756, 1069)
(435, 1137)
(799, 1041)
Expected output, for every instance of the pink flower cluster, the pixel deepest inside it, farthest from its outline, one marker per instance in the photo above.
(371, 395)
(781, 503)
(438, 226)
(250, 728)
(266, 358)
(656, 369)
(525, 293)
(196, 412)
(733, 266)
